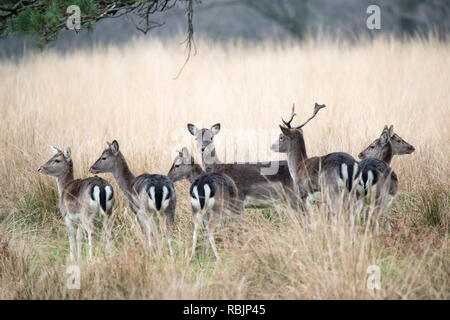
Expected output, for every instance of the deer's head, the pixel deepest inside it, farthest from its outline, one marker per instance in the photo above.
(182, 166)
(293, 136)
(204, 139)
(380, 148)
(59, 164)
(108, 159)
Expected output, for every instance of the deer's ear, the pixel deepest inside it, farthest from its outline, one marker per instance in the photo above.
(114, 147)
(391, 131)
(215, 128)
(184, 152)
(55, 149)
(384, 138)
(286, 131)
(192, 129)
(68, 154)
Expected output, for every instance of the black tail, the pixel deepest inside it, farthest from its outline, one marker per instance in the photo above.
(159, 195)
(350, 169)
(103, 198)
(201, 195)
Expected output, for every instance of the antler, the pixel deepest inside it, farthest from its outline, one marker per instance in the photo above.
(317, 107)
(293, 114)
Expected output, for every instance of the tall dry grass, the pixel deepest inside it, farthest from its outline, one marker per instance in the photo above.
(86, 97)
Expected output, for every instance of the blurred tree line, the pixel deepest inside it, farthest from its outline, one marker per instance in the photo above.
(43, 20)
(411, 16)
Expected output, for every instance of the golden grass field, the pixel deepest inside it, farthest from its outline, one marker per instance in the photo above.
(85, 97)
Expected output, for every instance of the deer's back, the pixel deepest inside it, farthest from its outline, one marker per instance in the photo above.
(79, 193)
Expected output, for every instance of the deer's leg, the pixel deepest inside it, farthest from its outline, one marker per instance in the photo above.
(211, 226)
(360, 210)
(197, 219)
(71, 236)
(292, 198)
(207, 245)
(88, 225)
(388, 210)
(108, 222)
(145, 228)
(169, 225)
(79, 240)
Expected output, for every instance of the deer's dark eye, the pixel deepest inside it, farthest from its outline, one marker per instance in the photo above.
(371, 147)
(177, 165)
(57, 161)
(104, 158)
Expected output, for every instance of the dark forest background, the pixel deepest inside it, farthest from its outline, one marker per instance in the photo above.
(257, 20)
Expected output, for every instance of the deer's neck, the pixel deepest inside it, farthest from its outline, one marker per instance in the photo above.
(296, 155)
(63, 180)
(195, 172)
(123, 175)
(387, 154)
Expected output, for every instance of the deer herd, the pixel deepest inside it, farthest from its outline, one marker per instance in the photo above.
(224, 189)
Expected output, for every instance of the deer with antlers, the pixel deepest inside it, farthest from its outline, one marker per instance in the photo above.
(330, 176)
(257, 186)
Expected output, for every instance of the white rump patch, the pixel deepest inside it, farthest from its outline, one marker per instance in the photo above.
(151, 201)
(355, 170)
(165, 200)
(96, 195)
(195, 199)
(342, 182)
(108, 191)
(209, 202)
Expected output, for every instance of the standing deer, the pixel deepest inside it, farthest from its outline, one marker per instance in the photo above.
(148, 194)
(184, 167)
(80, 200)
(255, 188)
(334, 172)
(378, 183)
(213, 193)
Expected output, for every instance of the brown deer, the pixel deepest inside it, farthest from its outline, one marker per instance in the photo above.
(335, 171)
(378, 183)
(213, 193)
(255, 188)
(184, 167)
(148, 195)
(80, 199)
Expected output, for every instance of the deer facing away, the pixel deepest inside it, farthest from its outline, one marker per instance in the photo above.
(378, 183)
(212, 194)
(335, 171)
(148, 195)
(80, 200)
